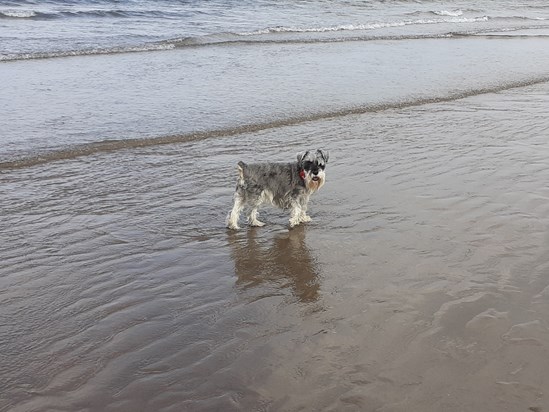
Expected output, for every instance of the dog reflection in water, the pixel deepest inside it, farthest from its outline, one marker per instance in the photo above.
(283, 260)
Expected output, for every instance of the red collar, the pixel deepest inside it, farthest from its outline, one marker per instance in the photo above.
(302, 174)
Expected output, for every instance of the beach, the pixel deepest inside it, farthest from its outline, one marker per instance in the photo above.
(420, 284)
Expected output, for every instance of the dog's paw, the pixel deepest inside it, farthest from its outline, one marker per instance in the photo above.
(294, 222)
(257, 223)
(306, 219)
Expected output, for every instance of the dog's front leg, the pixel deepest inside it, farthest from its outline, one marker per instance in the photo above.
(295, 215)
(303, 216)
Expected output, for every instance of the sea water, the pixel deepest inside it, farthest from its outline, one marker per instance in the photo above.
(83, 76)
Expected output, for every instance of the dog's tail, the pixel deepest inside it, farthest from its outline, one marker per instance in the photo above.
(241, 166)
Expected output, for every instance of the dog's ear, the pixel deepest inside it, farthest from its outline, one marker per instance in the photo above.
(324, 155)
(301, 156)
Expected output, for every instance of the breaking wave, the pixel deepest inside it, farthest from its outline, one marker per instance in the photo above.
(98, 13)
(367, 26)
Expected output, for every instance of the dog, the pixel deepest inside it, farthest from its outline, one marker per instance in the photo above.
(285, 185)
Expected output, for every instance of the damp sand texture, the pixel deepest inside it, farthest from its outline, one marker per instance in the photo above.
(420, 285)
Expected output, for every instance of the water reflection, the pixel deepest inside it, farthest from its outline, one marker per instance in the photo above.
(284, 260)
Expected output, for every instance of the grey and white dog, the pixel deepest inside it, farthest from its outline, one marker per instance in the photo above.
(285, 185)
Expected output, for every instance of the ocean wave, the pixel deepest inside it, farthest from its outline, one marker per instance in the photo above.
(366, 26)
(258, 38)
(17, 14)
(97, 13)
(530, 18)
(214, 40)
(53, 15)
(453, 13)
(297, 35)
(268, 38)
(87, 52)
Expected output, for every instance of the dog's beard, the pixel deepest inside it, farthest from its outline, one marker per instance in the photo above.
(313, 183)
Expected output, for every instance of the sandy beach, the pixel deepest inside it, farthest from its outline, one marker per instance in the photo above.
(420, 285)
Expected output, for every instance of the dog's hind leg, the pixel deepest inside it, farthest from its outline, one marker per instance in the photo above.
(232, 219)
(252, 217)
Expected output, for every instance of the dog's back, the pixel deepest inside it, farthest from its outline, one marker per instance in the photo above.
(276, 180)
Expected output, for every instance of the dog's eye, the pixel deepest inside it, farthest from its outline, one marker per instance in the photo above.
(322, 166)
(307, 165)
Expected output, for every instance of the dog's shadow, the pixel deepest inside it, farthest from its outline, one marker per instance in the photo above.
(284, 260)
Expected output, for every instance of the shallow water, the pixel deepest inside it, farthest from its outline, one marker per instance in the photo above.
(421, 283)
(62, 108)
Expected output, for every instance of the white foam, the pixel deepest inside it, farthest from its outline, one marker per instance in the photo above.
(88, 52)
(454, 13)
(368, 26)
(20, 14)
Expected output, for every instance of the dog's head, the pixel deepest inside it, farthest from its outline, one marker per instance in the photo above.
(312, 165)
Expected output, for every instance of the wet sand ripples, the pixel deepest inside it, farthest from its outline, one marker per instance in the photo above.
(421, 283)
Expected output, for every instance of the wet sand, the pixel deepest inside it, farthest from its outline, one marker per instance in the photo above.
(420, 285)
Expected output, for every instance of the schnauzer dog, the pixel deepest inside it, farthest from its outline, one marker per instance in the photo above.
(285, 185)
